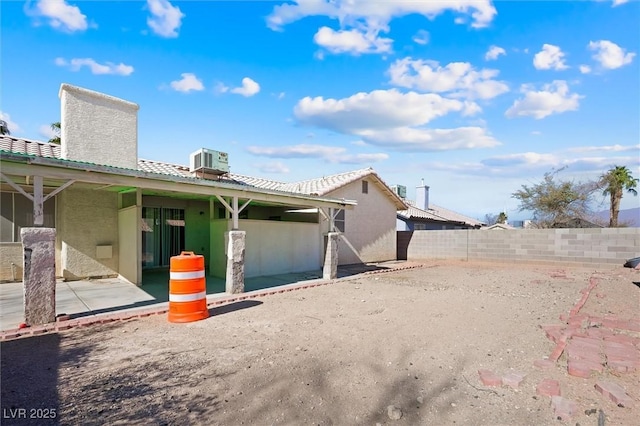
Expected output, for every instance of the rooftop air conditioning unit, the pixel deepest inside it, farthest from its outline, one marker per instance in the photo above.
(208, 161)
(401, 190)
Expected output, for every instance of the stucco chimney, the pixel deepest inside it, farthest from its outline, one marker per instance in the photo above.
(422, 196)
(98, 128)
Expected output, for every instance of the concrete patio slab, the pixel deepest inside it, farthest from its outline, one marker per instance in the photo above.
(90, 298)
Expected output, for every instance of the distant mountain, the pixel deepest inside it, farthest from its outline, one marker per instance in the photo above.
(630, 217)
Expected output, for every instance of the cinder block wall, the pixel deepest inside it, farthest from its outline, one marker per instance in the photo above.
(586, 247)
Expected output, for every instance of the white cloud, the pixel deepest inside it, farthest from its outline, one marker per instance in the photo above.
(281, 95)
(330, 154)
(534, 164)
(165, 19)
(550, 57)
(352, 41)
(606, 148)
(585, 69)
(221, 88)
(248, 88)
(609, 55)
(188, 83)
(76, 64)
(421, 37)
(378, 109)
(46, 131)
(377, 14)
(554, 98)
(272, 167)
(525, 158)
(618, 2)
(361, 158)
(471, 109)
(460, 78)
(426, 140)
(361, 21)
(60, 15)
(13, 126)
(493, 53)
(394, 119)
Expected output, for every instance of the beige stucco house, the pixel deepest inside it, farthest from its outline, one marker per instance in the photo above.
(368, 231)
(118, 215)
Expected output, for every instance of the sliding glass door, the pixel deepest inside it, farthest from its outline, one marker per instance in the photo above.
(162, 235)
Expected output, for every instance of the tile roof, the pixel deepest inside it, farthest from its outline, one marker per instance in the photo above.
(180, 170)
(163, 168)
(415, 212)
(499, 226)
(29, 147)
(326, 184)
(437, 213)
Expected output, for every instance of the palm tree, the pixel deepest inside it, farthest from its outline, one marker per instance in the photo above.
(4, 128)
(615, 181)
(56, 128)
(502, 218)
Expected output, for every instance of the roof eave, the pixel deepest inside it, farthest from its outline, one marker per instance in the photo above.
(73, 167)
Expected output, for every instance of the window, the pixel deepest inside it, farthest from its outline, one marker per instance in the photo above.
(338, 221)
(16, 212)
(419, 227)
(365, 187)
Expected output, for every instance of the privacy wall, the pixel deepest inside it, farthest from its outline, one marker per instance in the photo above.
(587, 247)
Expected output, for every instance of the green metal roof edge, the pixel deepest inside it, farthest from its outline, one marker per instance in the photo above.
(101, 168)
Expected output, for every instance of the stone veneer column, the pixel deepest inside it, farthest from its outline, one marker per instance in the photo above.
(235, 262)
(330, 268)
(39, 275)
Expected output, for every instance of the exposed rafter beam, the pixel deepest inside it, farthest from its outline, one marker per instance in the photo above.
(59, 189)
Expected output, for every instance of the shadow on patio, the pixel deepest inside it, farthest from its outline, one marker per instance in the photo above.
(156, 282)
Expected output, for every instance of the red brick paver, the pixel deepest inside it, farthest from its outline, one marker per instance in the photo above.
(63, 325)
(489, 378)
(548, 387)
(513, 380)
(563, 408)
(543, 364)
(614, 392)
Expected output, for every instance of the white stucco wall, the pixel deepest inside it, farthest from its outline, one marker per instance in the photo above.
(370, 228)
(98, 128)
(274, 247)
(87, 218)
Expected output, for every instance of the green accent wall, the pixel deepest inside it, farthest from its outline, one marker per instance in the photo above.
(196, 237)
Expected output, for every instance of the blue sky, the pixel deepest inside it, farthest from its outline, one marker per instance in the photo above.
(475, 97)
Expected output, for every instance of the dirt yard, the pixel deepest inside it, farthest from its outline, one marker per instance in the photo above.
(339, 354)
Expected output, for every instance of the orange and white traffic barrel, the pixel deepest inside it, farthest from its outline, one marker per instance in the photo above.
(187, 288)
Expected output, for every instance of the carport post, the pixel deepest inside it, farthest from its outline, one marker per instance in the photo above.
(235, 262)
(330, 268)
(39, 275)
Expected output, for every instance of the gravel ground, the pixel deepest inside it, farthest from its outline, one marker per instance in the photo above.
(396, 348)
